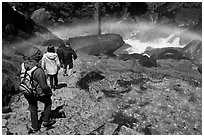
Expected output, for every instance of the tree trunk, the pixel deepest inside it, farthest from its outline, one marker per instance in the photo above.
(98, 17)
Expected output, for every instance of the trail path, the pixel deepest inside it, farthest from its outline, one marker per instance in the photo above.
(16, 122)
(124, 102)
(75, 111)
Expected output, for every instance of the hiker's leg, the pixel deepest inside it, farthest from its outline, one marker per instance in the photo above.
(51, 81)
(65, 69)
(47, 108)
(56, 79)
(33, 111)
(70, 68)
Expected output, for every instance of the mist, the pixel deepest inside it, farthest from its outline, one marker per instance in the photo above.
(139, 35)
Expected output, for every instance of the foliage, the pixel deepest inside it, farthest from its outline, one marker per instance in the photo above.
(66, 11)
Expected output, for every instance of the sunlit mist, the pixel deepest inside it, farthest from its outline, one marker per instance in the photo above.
(139, 35)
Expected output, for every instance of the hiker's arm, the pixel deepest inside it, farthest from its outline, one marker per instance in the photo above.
(59, 53)
(40, 76)
(43, 63)
(74, 55)
(57, 62)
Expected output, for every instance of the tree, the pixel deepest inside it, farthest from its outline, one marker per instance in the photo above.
(98, 16)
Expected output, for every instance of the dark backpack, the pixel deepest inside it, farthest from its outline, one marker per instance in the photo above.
(26, 85)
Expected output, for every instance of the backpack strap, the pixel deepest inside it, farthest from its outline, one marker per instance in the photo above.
(31, 75)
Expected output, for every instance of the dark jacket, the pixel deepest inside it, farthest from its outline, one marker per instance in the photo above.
(32, 58)
(39, 78)
(66, 55)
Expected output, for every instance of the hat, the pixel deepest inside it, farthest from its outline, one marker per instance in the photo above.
(51, 48)
(33, 53)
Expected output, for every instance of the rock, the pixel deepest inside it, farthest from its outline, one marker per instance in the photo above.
(42, 17)
(122, 49)
(134, 56)
(4, 122)
(4, 131)
(128, 131)
(149, 48)
(193, 50)
(196, 33)
(88, 78)
(200, 68)
(147, 61)
(110, 128)
(171, 53)
(167, 53)
(97, 44)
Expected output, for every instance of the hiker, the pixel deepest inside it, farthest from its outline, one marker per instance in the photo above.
(43, 92)
(66, 55)
(51, 64)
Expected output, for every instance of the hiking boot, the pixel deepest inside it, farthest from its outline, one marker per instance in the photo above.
(70, 72)
(56, 86)
(65, 75)
(32, 130)
(49, 123)
(52, 89)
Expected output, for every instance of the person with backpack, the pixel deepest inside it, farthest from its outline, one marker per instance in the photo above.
(51, 64)
(66, 55)
(33, 75)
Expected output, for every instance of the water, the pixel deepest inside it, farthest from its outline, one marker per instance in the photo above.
(140, 47)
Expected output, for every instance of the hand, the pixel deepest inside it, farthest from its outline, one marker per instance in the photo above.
(58, 68)
(49, 93)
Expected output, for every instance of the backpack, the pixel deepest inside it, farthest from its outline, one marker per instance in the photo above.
(26, 85)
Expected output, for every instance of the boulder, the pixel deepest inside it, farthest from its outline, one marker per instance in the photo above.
(193, 50)
(134, 56)
(147, 61)
(171, 54)
(166, 53)
(143, 60)
(97, 44)
(42, 17)
(122, 49)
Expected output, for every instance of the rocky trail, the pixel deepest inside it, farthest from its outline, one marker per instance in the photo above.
(107, 96)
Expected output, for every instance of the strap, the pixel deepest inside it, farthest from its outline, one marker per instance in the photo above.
(31, 75)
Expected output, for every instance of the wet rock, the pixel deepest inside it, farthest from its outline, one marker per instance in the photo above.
(95, 45)
(167, 53)
(122, 49)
